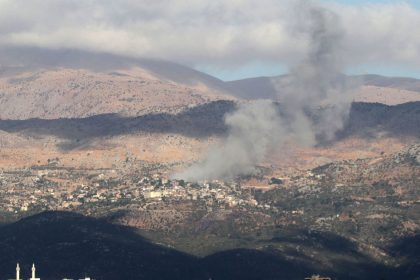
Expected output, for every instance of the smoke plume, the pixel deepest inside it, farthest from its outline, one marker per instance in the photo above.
(314, 103)
(253, 128)
(316, 95)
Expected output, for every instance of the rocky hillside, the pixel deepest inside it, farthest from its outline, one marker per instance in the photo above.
(365, 120)
(355, 219)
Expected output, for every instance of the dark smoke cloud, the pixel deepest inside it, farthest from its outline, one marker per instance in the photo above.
(317, 86)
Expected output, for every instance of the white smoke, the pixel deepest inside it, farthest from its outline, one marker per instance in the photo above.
(253, 128)
(315, 101)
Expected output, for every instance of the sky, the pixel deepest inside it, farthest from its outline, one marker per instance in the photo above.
(228, 39)
(273, 69)
(414, 3)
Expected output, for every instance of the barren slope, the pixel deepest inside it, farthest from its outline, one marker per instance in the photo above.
(108, 140)
(70, 93)
(100, 109)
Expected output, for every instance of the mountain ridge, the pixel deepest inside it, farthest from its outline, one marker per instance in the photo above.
(37, 83)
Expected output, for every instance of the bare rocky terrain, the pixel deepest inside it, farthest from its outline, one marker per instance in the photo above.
(70, 93)
(94, 139)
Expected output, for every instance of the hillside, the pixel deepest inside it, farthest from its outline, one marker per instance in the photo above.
(370, 88)
(25, 59)
(71, 93)
(169, 138)
(74, 84)
(325, 220)
(98, 109)
(66, 244)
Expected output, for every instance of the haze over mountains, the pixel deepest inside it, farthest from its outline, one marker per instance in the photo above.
(52, 84)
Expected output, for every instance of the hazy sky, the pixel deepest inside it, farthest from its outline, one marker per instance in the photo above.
(414, 3)
(230, 39)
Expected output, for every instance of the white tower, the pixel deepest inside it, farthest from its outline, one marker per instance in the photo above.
(33, 273)
(18, 272)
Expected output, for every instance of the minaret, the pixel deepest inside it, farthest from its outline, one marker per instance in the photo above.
(18, 272)
(33, 273)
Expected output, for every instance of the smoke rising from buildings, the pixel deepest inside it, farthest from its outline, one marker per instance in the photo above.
(253, 129)
(314, 102)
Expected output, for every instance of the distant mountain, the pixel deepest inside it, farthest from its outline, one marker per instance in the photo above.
(50, 84)
(58, 103)
(410, 84)
(37, 83)
(17, 60)
(373, 88)
(254, 88)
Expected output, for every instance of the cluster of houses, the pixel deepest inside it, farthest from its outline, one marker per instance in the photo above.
(66, 190)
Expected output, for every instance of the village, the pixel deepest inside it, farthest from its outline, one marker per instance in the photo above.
(96, 192)
(62, 189)
(348, 198)
(370, 202)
